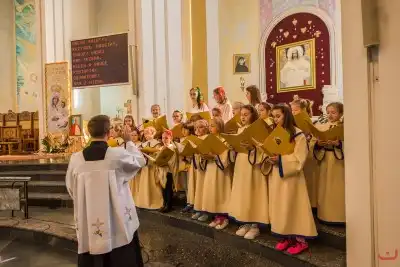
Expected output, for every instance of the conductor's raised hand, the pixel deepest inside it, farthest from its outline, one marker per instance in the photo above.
(127, 133)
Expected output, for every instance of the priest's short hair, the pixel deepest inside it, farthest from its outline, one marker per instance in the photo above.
(99, 126)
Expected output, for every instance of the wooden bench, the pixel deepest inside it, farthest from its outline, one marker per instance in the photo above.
(11, 198)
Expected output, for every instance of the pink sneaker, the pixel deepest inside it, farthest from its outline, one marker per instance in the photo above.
(283, 245)
(298, 248)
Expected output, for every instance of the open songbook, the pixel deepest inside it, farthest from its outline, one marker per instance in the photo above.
(162, 158)
(205, 115)
(149, 150)
(303, 122)
(332, 134)
(188, 150)
(278, 143)
(177, 131)
(257, 132)
(233, 125)
(212, 145)
(160, 124)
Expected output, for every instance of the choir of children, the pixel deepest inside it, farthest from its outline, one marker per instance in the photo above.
(231, 185)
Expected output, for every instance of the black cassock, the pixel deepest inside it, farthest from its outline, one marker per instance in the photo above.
(126, 256)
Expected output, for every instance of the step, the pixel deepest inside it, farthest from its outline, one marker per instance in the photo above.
(51, 200)
(22, 165)
(43, 175)
(320, 254)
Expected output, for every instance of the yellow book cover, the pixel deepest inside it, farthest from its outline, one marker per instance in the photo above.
(149, 150)
(303, 121)
(258, 130)
(148, 123)
(278, 142)
(162, 158)
(205, 115)
(194, 139)
(177, 131)
(161, 123)
(333, 134)
(212, 144)
(233, 125)
(188, 150)
(235, 140)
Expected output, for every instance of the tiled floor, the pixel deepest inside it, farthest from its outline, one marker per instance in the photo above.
(16, 253)
(163, 246)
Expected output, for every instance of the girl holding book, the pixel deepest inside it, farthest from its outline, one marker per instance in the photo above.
(150, 195)
(253, 95)
(217, 182)
(290, 209)
(177, 117)
(197, 99)
(135, 183)
(311, 167)
(264, 111)
(331, 186)
(223, 103)
(236, 108)
(128, 120)
(191, 168)
(249, 202)
(201, 131)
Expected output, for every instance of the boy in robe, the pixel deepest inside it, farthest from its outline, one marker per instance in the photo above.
(104, 212)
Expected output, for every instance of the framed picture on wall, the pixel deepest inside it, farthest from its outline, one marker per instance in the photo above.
(241, 63)
(76, 125)
(295, 66)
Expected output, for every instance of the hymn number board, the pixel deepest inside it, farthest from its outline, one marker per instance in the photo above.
(100, 61)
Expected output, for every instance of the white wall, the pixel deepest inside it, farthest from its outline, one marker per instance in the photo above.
(239, 29)
(7, 56)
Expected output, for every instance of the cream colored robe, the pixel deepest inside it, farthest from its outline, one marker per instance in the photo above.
(150, 190)
(200, 175)
(249, 197)
(331, 183)
(311, 173)
(134, 183)
(217, 186)
(290, 209)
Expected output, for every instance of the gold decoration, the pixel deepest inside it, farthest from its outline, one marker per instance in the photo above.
(317, 34)
(303, 30)
(273, 44)
(286, 34)
(294, 22)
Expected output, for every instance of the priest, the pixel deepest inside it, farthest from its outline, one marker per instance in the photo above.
(104, 211)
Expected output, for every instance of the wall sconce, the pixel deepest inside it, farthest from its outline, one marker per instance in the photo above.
(242, 83)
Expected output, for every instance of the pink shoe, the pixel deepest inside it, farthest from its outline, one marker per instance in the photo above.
(298, 248)
(283, 245)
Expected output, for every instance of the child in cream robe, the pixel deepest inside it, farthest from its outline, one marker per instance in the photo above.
(331, 184)
(150, 194)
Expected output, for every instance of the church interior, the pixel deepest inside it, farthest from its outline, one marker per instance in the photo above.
(182, 68)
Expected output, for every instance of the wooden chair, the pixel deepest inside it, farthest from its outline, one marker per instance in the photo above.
(27, 133)
(11, 137)
(1, 119)
(11, 119)
(35, 127)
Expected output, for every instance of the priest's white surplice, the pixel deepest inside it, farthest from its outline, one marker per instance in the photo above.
(104, 211)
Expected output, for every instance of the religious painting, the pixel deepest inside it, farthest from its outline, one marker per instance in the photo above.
(298, 59)
(58, 97)
(241, 63)
(295, 66)
(76, 125)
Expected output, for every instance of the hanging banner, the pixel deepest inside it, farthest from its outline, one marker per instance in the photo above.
(58, 97)
(100, 61)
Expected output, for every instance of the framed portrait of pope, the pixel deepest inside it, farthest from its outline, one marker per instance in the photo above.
(295, 67)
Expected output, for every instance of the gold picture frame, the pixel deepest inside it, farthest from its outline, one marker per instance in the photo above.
(241, 63)
(57, 85)
(295, 66)
(75, 125)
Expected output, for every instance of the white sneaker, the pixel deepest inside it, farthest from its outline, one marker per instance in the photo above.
(242, 231)
(203, 218)
(214, 223)
(252, 233)
(222, 225)
(196, 215)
